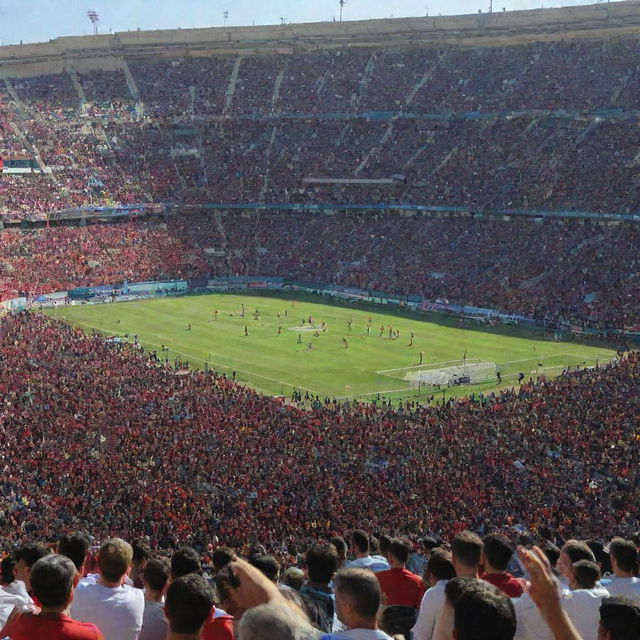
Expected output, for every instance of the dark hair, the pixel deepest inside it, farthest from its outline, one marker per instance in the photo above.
(7, 565)
(141, 550)
(551, 551)
(440, 565)
(32, 552)
(360, 540)
(75, 547)
(577, 550)
(361, 588)
(341, 546)
(52, 579)
(157, 572)
(456, 587)
(586, 573)
(322, 562)
(498, 551)
(188, 603)
(483, 612)
(267, 565)
(621, 618)
(430, 543)
(384, 542)
(467, 548)
(184, 561)
(625, 554)
(400, 549)
(221, 557)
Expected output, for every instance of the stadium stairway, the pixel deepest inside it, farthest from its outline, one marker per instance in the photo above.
(383, 140)
(82, 98)
(231, 89)
(133, 88)
(357, 95)
(425, 78)
(267, 168)
(276, 90)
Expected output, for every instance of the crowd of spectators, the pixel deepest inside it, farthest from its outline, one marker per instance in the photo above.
(557, 132)
(581, 273)
(101, 438)
(553, 455)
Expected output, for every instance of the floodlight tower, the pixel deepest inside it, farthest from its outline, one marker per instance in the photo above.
(93, 16)
(226, 17)
(342, 3)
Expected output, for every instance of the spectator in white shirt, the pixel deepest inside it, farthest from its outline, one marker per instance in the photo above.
(582, 603)
(361, 548)
(358, 597)
(115, 607)
(439, 571)
(155, 578)
(624, 563)
(572, 551)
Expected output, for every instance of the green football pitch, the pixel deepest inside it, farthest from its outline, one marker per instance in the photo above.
(342, 353)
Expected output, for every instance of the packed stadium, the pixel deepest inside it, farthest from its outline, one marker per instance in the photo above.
(323, 330)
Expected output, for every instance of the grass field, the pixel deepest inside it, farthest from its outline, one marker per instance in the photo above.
(279, 362)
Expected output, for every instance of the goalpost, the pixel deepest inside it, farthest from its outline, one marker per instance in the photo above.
(439, 374)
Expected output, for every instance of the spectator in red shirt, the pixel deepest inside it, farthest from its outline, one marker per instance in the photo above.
(496, 555)
(219, 625)
(53, 579)
(402, 590)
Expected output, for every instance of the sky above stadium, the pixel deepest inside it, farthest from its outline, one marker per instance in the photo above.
(41, 20)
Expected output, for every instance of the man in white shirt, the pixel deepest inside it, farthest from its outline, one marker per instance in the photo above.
(358, 597)
(581, 603)
(361, 547)
(624, 560)
(439, 571)
(116, 608)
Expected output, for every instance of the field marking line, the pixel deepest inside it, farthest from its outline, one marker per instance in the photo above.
(194, 357)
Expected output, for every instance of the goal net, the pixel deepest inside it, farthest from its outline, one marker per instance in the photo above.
(454, 372)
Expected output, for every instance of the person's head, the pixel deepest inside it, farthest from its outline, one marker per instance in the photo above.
(584, 575)
(440, 567)
(322, 562)
(75, 547)
(483, 612)
(188, 604)
(360, 540)
(293, 577)
(619, 619)
(429, 544)
(399, 551)
(384, 543)
(184, 561)
(624, 557)
(551, 551)
(141, 554)
(341, 547)
(571, 552)
(7, 570)
(267, 565)
(156, 574)
(26, 556)
(52, 581)
(221, 557)
(497, 553)
(358, 598)
(466, 553)
(114, 559)
(269, 621)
